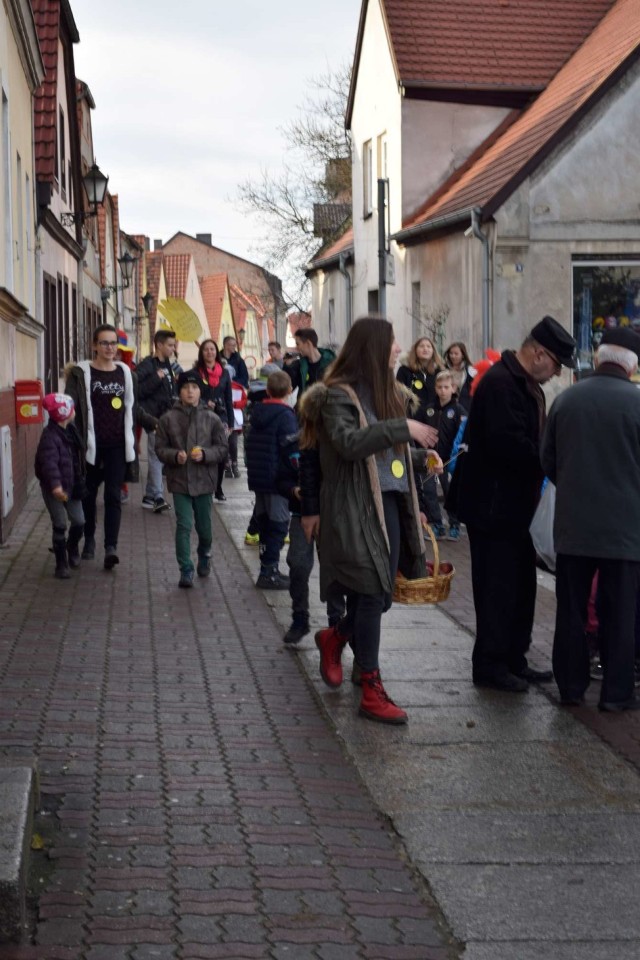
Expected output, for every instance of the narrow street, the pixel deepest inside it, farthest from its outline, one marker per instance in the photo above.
(204, 795)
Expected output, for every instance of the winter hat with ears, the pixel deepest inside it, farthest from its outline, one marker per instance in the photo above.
(59, 406)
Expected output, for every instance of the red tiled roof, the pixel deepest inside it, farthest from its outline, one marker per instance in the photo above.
(507, 161)
(45, 114)
(298, 321)
(488, 43)
(176, 272)
(213, 290)
(342, 245)
(154, 269)
(249, 300)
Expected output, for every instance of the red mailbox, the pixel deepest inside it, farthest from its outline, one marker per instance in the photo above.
(28, 401)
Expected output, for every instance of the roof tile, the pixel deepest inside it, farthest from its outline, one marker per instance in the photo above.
(612, 41)
(488, 43)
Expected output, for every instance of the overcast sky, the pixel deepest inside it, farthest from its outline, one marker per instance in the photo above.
(189, 97)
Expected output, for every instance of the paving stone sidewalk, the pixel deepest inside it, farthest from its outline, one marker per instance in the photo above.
(521, 819)
(197, 803)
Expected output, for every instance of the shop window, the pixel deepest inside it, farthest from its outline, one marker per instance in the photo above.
(606, 293)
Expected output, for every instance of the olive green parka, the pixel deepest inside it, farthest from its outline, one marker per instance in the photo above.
(353, 544)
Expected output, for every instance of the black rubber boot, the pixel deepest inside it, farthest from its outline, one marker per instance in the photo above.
(60, 553)
(73, 540)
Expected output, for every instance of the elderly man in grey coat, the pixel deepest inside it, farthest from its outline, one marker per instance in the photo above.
(591, 451)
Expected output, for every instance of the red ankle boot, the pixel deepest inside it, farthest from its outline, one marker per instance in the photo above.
(331, 643)
(376, 704)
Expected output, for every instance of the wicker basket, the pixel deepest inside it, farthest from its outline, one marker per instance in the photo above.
(432, 589)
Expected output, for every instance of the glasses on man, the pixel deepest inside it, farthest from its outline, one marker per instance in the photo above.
(556, 362)
(107, 343)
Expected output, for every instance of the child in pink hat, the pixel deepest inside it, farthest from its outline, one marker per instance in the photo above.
(60, 469)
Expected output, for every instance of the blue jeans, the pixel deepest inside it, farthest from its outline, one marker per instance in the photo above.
(154, 486)
(272, 519)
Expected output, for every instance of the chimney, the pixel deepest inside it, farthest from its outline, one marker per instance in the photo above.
(204, 238)
(157, 244)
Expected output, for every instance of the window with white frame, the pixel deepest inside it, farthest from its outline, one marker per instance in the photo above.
(367, 178)
(605, 294)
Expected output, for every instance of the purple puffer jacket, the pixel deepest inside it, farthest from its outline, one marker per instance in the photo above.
(58, 459)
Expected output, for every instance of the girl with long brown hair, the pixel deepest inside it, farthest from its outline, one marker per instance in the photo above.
(369, 514)
(419, 371)
(216, 394)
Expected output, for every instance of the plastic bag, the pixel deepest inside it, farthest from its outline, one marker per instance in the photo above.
(541, 528)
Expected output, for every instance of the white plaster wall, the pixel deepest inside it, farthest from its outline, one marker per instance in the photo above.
(437, 138)
(376, 110)
(449, 270)
(582, 200)
(21, 280)
(325, 286)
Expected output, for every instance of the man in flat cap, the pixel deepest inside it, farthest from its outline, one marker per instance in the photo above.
(591, 451)
(500, 482)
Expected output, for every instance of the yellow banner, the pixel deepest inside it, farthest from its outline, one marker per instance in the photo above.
(179, 317)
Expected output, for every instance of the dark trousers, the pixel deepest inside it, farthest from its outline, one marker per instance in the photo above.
(430, 495)
(272, 519)
(618, 582)
(503, 577)
(445, 483)
(364, 611)
(300, 559)
(233, 446)
(110, 468)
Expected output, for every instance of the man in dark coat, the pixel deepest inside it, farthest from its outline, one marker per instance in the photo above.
(500, 484)
(591, 451)
(232, 356)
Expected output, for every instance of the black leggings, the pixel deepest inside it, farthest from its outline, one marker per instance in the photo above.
(364, 611)
(110, 467)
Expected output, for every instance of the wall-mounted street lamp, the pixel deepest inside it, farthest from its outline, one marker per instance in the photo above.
(127, 263)
(147, 300)
(95, 185)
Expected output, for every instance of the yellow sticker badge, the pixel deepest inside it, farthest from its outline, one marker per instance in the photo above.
(116, 403)
(417, 384)
(397, 469)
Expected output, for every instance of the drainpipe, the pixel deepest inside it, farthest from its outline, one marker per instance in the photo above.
(487, 332)
(347, 276)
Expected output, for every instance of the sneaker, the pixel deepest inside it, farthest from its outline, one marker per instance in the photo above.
(287, 539)
(297, 630)
(148, 503)
(111, 558)
(438, 530)
(502, 681)
(186, 579)
(161, 505)
(454, 533)
(228, 473)
(235, 470)
(252, 539)
(124, 496)
(595, 668)
(204, 566)
(220, 496)
(272, 581)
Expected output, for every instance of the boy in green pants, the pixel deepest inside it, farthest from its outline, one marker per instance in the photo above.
(191, 442)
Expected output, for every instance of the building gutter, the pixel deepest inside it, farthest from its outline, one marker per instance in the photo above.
(420, 230)
(342, 267)
(487, 331)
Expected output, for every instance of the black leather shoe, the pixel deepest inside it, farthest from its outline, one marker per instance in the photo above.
(110, 558)
(619, 706)
(536, 676)
(220, 496)
(503, 681)
(571, 701)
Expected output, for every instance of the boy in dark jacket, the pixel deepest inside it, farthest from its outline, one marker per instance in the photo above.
(271, 444)
(445, 415)
(191, 442)
(59, 466)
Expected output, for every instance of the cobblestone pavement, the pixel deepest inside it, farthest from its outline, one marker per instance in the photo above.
(622, 732)
(195, 801)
